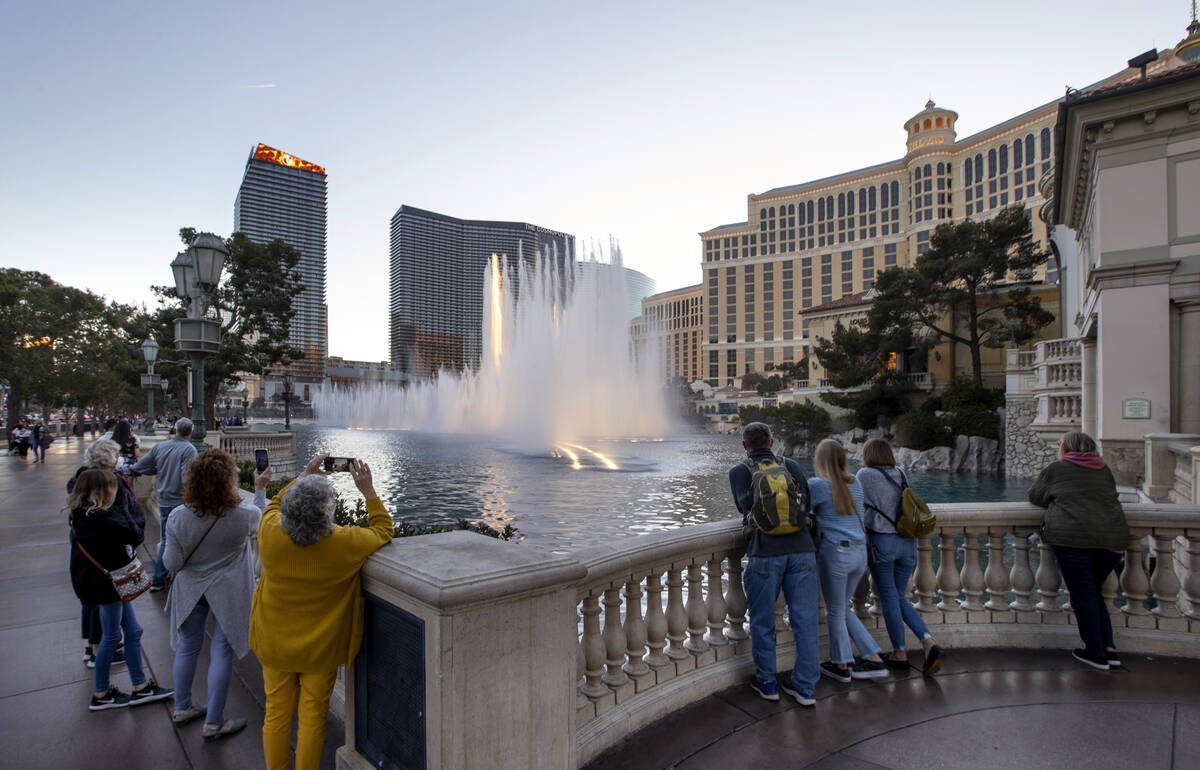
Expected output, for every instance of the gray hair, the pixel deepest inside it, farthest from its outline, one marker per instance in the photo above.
(183, 427)
(1076, 441)
(757, 435)
(102, 454)
(306, 512)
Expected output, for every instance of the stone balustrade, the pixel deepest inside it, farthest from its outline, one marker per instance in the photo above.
(281, 447)
(658, 621)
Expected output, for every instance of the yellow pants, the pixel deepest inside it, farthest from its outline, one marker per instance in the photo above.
(314, 691)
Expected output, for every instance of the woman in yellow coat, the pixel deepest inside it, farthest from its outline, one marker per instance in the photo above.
(307, 616)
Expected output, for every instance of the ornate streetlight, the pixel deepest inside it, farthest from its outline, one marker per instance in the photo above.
(197, 273)
(150, 382)
(287, 400)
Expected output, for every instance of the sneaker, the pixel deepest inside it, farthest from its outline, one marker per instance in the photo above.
(89, 660)
(801, 698)
(933, 661)
(118, 658)
(211, 731)
(87, 654)
(895, 664)
(183, 716)
(836, 673)
(1095, 662)
(868, 669)
(1113, 658)
(113, 699)
(148, 694)
(157, 585)
(766, 690)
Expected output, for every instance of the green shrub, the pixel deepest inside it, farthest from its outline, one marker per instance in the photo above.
(920, 431)
(931, 405)
(975, 420)
(960, 393)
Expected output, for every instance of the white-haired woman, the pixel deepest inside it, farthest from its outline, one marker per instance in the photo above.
(104, 455)
(306, 619)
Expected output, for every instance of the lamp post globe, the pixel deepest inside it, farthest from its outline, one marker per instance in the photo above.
(150, 382)
(197, 274)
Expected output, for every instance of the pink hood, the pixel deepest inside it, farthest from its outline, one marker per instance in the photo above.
(1085, 459)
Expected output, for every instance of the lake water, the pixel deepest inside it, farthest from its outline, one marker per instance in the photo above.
(562, 502)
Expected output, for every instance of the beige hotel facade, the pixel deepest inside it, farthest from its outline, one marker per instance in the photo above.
(808, 244)
(671, 330)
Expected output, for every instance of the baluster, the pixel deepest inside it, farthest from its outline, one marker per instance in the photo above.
(1021, 574)
(656, 621)
(1164, 581)
(995, 576)
(1108, 592)
(676, 615)
(580, 668)
(947, 573)
(926, 581)
(614, 639)
(697, 614)
(1048, 579)
(972, 574)
(1191, 584)
(716, 604)
(635, 629)
(593, 648)
(735, 599)
(1134, 583)
(859, 600)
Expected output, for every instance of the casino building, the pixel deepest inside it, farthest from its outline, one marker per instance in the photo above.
(282, 196)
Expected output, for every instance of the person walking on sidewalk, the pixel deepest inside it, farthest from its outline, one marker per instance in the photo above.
(168, 460)
(895, 556)
(208, 550)
(103, 538)
(1085, 525)
(781, 561)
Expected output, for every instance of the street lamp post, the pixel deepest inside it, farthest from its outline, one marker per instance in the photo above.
(197, 273)
(287, 400)
(150, 382)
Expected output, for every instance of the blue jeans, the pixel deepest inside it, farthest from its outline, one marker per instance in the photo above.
(39, 449)
(796, 574)
(116, 618)
(1084, 570)
(897, 560)
(220, 664)
(841, 567)
(160, 572)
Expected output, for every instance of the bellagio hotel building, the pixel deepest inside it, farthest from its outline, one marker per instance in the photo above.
(808, 244)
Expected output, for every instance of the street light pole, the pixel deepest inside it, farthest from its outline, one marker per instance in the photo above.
(150, 382)
(287, 400)
(197, 273)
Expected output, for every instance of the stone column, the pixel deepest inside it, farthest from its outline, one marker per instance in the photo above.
(1189, 367)
(1088, 420)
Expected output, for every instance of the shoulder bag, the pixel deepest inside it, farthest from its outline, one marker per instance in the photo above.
(130, 581)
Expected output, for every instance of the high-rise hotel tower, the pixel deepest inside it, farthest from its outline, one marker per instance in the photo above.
(283, 197)
(436, 283)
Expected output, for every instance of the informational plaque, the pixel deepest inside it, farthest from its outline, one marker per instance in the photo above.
(1135, 409)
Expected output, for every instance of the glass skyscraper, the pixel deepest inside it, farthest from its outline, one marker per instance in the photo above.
(283, 197)
(436, 283)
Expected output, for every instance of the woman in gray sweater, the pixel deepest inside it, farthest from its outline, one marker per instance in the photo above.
(1086, 527)
(893, 557)
(208, 550)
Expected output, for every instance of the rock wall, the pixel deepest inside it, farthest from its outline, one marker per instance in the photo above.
(969, 453)
(1025, 452)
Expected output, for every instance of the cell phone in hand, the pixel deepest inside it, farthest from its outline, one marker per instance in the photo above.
(261, 462)
(337, 464)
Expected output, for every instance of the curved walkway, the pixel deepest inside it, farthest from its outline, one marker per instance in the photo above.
(998, 708)
(44, 687)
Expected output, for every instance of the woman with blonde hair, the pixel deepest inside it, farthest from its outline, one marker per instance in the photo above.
(208, 551)
(1085, 526)
(841, 564)
(894, 557)
(102, 539)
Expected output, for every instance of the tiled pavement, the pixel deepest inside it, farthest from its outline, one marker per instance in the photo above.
(986, 709)
(44, 687)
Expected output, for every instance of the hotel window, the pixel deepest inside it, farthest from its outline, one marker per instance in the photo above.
(1004, 159)
(841, 209)
(1018, 154)
(1045, 144)
(1029, 149)
(978, 167)
(991, 163)
(889, 255)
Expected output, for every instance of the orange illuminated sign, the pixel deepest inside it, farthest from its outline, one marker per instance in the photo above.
(271, 155)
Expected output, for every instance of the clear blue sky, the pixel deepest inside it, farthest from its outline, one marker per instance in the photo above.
(649, 121)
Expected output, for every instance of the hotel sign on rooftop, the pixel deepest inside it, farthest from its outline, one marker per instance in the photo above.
(272, 155)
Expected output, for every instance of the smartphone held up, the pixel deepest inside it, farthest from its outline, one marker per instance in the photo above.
(261, 461)
(337, 464)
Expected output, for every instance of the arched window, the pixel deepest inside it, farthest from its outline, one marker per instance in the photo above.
(810, 211)
(1018, 154)
(967, 174)
(791, 209)
(917, 128)
(829, 205)
(928, 169)
(762, 213)
(978, 168)
(841, 204)
(1045, 144)
(871, 198)
(917, 173)
(883, 195)
(938, 122)
(927, 124)
(941, 168)
(802, 222)
(862, 200)
(1029, 148)
(850, 203)
(991, 163)
(821, 209)
(895, 193)
(772, 213)
(1004, 159)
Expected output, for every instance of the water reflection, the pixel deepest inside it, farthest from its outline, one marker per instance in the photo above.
(663, 484)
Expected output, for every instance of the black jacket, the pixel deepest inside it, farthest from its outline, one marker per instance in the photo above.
(109, 535)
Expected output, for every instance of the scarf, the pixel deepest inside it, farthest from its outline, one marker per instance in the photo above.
(1085, 459)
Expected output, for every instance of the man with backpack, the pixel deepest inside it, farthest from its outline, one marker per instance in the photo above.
(772, 495)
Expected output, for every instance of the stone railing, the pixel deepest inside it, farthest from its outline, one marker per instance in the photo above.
(981, 581)
(1057, 384)
(1172, 472)
(923, 380)
(280, 445)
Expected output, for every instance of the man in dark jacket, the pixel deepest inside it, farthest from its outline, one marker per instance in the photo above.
(775, 562)
(168, 460)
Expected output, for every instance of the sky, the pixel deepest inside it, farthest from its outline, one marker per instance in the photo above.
(647, 122)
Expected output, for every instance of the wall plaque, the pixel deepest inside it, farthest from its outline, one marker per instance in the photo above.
(1135, 409)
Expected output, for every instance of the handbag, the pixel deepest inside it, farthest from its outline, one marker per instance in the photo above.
(131, 581)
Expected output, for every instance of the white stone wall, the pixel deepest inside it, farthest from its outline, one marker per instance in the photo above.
(1025, 452)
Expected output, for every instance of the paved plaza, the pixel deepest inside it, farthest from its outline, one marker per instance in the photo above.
(44, 686)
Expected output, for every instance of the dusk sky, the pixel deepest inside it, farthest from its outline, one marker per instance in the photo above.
(649, 122)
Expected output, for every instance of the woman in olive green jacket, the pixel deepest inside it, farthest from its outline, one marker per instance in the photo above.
(1086, 527)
